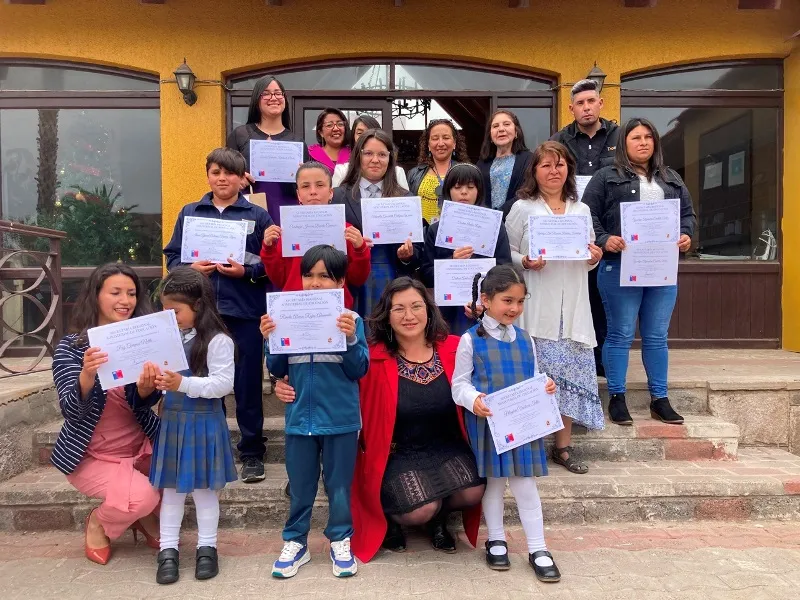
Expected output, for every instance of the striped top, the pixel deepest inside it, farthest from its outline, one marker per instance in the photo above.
(82, 414)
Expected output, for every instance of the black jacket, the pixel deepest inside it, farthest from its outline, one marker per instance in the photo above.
(610, 186)
(607, 146)
(522, 163)
(415, 176)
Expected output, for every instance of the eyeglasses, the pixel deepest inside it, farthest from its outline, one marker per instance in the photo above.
(369, 155)
(337, 124)
(400, 311)
(267, 95)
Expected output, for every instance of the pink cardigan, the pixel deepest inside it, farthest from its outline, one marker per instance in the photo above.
(317, 152)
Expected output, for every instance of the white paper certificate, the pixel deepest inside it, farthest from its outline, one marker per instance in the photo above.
(392, 220)
(649, 265)
(130, 344)
(657, 221)
(581, 182)
(452, 279)
(468, 225)
(275, 161)
(564, 237)
(305, 322)
(215, 240)
(522, 413)
(305, 226)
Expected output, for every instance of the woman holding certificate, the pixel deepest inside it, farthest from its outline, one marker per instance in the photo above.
(558, 315)
(268, 119)
(638, 175)
(104, 446)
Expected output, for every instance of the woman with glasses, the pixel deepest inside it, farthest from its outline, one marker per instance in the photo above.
(372, 175)
(333, 139)
(267, 119)
(360, 125)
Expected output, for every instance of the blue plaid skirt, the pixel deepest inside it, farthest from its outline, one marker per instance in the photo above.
(382, 271)
(193, 445)
(528, 460)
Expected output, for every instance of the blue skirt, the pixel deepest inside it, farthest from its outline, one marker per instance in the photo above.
(193, 446)
(382, 272)
(528, 460)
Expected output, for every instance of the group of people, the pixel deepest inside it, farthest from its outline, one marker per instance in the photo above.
(396, 424)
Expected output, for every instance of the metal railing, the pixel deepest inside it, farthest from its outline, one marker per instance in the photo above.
(20, 247)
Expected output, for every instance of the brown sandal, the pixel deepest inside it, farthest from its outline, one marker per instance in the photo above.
(571, 464)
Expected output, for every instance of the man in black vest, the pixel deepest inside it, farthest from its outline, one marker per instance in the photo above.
(592, 141)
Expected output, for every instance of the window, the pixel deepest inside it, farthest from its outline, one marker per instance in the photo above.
(721, 132)
(80, 152)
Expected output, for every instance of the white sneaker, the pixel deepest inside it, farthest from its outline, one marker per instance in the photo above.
(344, 564)
(293, 556)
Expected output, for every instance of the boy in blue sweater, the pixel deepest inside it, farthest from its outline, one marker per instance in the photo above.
(322, 421)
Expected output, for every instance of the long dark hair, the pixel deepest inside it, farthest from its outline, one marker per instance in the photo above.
(498, 279)
(347, 139)
(187, 286)
(86, 312)
(365, 120)
(390, 188)
(463, 174)
(489, 149)
(254, 112)
(459, 153)
(380, 328)
(530, 187)
(622, 161)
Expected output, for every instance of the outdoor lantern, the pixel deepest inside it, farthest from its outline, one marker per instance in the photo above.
(185, 79)
(596, 75)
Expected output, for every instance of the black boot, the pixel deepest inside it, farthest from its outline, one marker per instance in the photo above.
(618, 410)
(549, 574)
(168, 562)
(206, 563)
(440, 537)
(498, 562)
(394, 540)
(661, 410)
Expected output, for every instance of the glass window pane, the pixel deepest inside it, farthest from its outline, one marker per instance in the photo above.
(421, 77)
(355, 77)
(95, 174)
(750, 77)
(728, 158)
(239, 115)
(535, 124)
(55, 78)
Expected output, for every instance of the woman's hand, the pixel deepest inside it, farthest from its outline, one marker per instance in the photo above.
(266, 326)
(273, 234)
(206, 267)
(596, 252)
(168, 381)
(479, 408)
(470, 315)
(550, 386)
(614, 243)
(283, 391)
(684, 243)
(346, 324)
(533, 265)
(232, 269)
(147, 379)
(464, 252)
(246, 181)
(406, 251)
(351, 234)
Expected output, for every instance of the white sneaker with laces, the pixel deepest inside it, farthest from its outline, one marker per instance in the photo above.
(293, 556)
(344, 563)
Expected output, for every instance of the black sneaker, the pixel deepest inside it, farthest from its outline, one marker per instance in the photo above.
(661, 410)
(252, 469)
(618, 410)
(167, 562)
(207, 563)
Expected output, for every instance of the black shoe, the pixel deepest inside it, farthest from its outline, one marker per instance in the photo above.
(661, 410)
(598, 362)
(168, 562)
(207, 563)
(287, 490)
(440, 537)
(394, 540)
(545, 574)
(618, 410)
(252, 469)
(498, 562)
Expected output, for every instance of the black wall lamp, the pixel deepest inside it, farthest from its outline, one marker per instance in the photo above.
(185, 78)
(598, 76)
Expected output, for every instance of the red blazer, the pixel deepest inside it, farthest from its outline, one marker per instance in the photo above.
(378, 394)
(285, 274)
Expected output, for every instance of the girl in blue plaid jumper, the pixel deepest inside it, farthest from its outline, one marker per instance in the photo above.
(491, 356)
(193, 450)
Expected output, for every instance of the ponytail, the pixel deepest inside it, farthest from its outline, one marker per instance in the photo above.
(475, 281)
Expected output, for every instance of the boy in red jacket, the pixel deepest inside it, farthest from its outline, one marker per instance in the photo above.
(314, 187)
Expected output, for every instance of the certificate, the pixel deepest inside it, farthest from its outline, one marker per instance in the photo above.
(564, 237)
(275, 161)
(522, 413)
(649, 265)
(305, 226)
(305, 322)
(215, 240)
(656, 221)
(452, 279)
(468, 225)
(130, 344)
(392, 220)
(582, 181)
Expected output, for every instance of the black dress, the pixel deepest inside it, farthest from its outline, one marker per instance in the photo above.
(429, 458)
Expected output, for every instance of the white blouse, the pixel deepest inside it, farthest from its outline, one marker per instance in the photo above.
(219, 381)
(560, 290)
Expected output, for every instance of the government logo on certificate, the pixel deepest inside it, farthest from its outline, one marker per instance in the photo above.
(117, 374)
(285, 342)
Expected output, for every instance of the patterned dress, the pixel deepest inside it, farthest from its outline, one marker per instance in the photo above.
(497, 365)
(193, 447)
(500, 176)
(429, 199)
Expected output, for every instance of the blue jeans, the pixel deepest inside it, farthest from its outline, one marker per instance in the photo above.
(653, 307)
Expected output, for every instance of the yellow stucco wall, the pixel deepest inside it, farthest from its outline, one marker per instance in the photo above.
(791, 203)
(562, 37)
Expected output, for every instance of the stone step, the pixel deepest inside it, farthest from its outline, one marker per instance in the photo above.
(763, 484)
